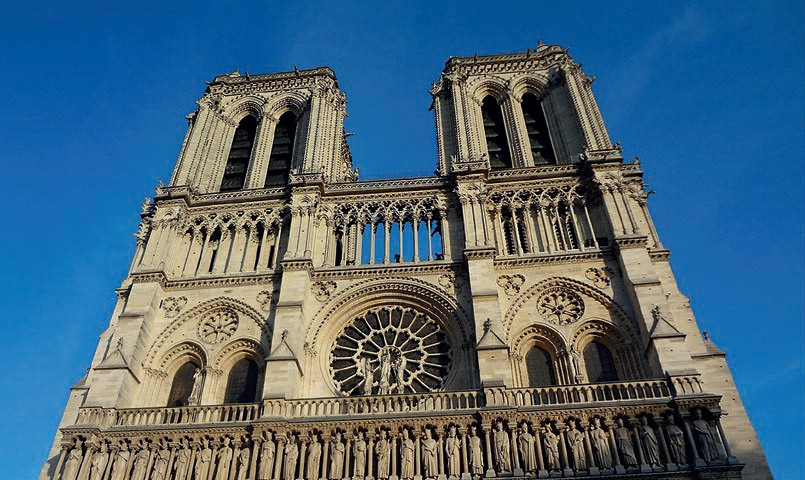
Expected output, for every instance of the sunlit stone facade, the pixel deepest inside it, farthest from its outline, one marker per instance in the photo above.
(514, 315)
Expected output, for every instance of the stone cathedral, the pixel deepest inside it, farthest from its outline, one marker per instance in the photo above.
(514, 315)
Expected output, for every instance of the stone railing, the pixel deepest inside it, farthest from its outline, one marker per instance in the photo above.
(587, 394)
(133, 417)
(376, 404)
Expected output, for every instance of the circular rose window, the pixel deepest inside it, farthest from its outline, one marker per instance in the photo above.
(390, 350)
(218, 325)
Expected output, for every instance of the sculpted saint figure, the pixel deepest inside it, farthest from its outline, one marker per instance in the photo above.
(243, 462)
(181, 464)
(365, 370)
(550, 443)
(525, 442)
(161, 457)
(651, 452)
(98, 465)
(406, 456)
(385, 373)
(383, 453)
(476, 455)
(337, 450)
(676, 444)
(73, 462)
(430, 464)
(399, 369)
(195, 392)
(452, 449)
(291, 455)
(359, 454)
(224, 459)
(502, 449)
(140, 464)
(313, 458)
(575, 439)
(121, 462)
(267, 452)
(600, 441)
(623, 439)
(203, 460)
(704, 437)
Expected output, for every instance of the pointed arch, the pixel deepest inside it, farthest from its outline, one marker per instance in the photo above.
(240, 154)
(494, 127)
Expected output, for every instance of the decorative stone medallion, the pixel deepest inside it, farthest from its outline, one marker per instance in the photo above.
(264, 299)
(173, 305)
(511, 283)
(390, 350)
(560, 306)
(599, 276)
(323, 290)
(218, 325)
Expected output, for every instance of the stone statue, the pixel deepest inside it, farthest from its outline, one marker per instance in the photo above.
(365, 371)
(121, 462)
(399, 369)
(98, 464)
(476, 455)
(181, 464)
(502, 449)
(267, 452)
(704, 437)
(600, 441)
(195, 393)
(291, 455)
(359, 454)
(243, 462)
(385, 373)
(430, 450)
(313, 458)
(550, 443)
(203, 460)
(406, 456)
(161, 457)
(383, 453)
(452, 450)
(651, 452)
(337, 450)
(140, 464)
(73, 462)
(623, 439)
(575, 439)
(676, 443)
(525, 443)
(224, 460)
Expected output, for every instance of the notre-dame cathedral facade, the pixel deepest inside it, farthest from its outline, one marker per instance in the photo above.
(514, 315)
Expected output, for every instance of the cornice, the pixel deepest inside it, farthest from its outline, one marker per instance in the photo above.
(659, 255)
(390, 184)
(368, 271)
(542, 58)
(632, 241)
(192, 199)
(555, 259)
(208, 282)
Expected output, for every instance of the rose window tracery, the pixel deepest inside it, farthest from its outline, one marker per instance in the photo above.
(390, 350)
(560, 306)
(218, 325)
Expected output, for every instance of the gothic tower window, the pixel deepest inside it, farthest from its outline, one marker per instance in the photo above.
(537, 130)
(241, 386)
(495, 132)
(540, 368)
(182, 385)
(239, 155)
(279, 163)
(599, 364)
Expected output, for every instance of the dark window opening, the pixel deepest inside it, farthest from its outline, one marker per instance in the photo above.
(241, 387)
(239, 155)
(599, 363)
(182, 385)
(496, 142)
(540, 368)
(537, 129)
(279, 163)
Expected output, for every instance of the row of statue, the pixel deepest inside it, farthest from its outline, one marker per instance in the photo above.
(596, 446)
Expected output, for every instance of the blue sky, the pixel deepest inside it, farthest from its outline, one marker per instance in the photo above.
(709, 95)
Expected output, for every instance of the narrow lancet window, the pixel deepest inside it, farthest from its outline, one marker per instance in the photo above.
(537, 129)
(279, 163)
(599, 364)
(496, 143)
(540, 368)
(241, 387)
(239, 155)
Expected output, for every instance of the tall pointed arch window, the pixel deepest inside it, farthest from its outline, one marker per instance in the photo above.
(239, 155)
(497, 144)
(540, 368)
(279, 163)
(599, 364)
(241, 386)
(182, 385)
(537, 130)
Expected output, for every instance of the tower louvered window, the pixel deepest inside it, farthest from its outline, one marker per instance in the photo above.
(537, 130)
(239, 155)
(496, 143)
(279, 163)
(599, 364)
(241, 386)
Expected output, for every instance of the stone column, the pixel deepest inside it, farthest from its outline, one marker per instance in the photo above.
(697, 460)
(440, 449)
(386, 241)
(347, 452)
(278, 454)
(616, 457)
(641, 458)
(256, 444)
(490, 466)
(669, 464)
(417, 455)
(393, 459)
(541, 473)
(302, 459)
(370, 453)
(465, 469)
(567, 471)
(588, 450)
(730, 459)
(515, 453)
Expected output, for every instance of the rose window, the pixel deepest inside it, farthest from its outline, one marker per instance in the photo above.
(560, 306)
(390, 350)
(218, 325)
